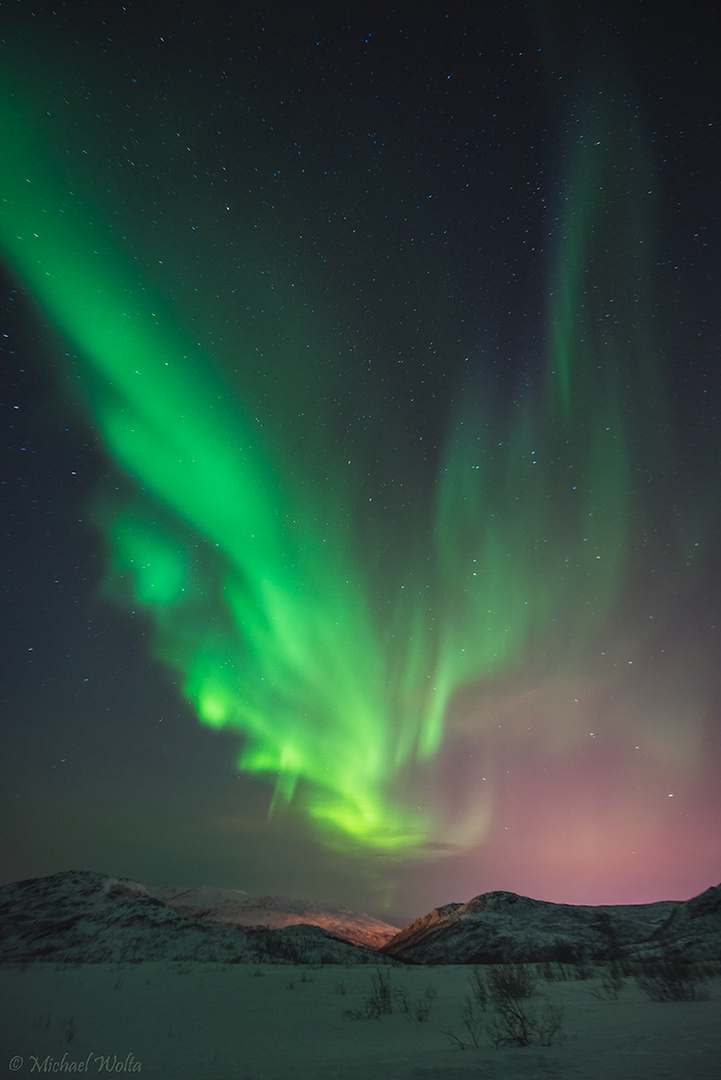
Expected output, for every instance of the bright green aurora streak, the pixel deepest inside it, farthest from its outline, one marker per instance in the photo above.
(257, 592)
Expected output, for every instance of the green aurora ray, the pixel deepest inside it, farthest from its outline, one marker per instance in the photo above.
(253, 574)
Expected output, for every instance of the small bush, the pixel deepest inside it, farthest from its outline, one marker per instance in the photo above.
(382, 996)
(516, 1024)
(478, 987)
(420, 1009)
(511, 982)
(671, 980)
(383, 999)
(378, 1003)
(613, 980)
(512, 1022)
(472, 1027)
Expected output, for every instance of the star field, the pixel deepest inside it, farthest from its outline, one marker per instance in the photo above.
(362, 403)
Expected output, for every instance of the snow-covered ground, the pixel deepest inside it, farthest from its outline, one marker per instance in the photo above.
(185, 1021)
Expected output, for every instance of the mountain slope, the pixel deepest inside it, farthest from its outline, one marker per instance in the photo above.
(502, 927)
(84, 917)
(232, 907)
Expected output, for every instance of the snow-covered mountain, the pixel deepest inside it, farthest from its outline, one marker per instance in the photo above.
(693, 929)
(232, 907)
(502, 927)
(84, 917)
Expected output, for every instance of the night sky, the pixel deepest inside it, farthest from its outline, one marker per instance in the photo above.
(360, 390)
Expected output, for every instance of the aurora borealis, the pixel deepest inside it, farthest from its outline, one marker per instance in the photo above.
(394, 416)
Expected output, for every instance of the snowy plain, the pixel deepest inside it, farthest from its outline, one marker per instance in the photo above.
(195, 1021)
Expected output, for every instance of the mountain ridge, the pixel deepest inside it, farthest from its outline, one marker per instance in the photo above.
(504, 927)
(234, 907)
(81, 916)
(87, 917)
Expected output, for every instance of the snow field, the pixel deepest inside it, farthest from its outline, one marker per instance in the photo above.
(186, 1021)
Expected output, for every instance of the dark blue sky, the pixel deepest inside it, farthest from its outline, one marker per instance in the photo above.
(362, 220)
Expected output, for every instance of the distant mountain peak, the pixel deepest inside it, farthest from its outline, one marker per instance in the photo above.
(82, 916)
(503, 927)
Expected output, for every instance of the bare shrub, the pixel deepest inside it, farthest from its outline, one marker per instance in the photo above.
(513, 1022)
(382, 996)
(472, 1027)
(468, 1015)
(420, 1009)
(516, 1024)
(378, 1003)
(670, 979)
(511, 982)
(550, 1025)
(478, 988)
(613, 980)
